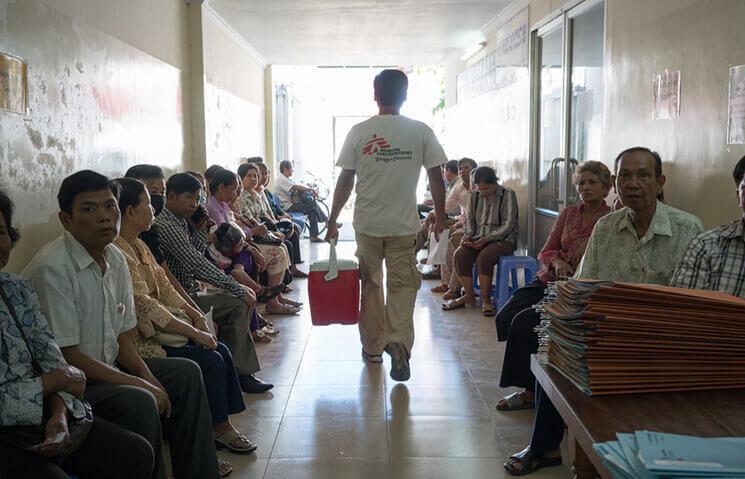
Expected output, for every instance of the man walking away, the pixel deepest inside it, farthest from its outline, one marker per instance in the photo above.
(386, 153)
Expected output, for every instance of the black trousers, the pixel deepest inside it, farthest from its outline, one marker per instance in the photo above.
(313, 212)
(109, 451)
(189, 428)
(548, 428)
(516, 322)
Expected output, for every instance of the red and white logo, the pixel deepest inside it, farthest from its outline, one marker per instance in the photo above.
(376, 144)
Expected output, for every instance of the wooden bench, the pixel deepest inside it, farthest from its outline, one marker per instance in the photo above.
(598, 419)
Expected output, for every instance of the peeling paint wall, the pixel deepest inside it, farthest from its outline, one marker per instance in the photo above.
(95, 102)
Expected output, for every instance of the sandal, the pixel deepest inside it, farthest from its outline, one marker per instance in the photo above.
(488, 310)
(224, 469)
(530, 462)
(290, 302)
(296, 273)
(282, 309)
(461, 302)
(514, 402)
(227, 441)
(440, 288)
(451, 295)
(260, 336)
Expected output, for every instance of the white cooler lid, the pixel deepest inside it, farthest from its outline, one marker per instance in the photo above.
(343, 264)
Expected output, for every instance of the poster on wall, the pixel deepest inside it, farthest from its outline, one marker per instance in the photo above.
(666, 95)
(13, 84)
(736, 106)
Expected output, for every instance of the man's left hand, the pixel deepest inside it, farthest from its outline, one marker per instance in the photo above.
(481, 243)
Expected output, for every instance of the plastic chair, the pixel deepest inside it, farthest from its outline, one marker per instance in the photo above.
(300, 220)
(506, 270)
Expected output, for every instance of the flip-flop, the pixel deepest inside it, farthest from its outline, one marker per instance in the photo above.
(514, 402)
(226, 442)
(440, 288)
(488, 310)
(530, 462)
(224, 468)
(455, 304)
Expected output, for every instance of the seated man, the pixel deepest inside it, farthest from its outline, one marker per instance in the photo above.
(287, 188)
(46, 394)
(183, 248)
(450, 176)
(715, 259)
(640, 243)
(86, 294)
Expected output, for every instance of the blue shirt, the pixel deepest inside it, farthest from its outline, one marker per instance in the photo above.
(21, 392)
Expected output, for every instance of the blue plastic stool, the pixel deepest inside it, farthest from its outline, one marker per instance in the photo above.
(506, 269)
(300, 220)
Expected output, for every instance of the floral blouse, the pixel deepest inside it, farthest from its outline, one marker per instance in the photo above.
(568, 240)
(21, 391)
(156, 301)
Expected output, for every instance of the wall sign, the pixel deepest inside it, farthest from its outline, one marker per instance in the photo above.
(666, 95)
(736, 106)
(13, 84)
(497, 70)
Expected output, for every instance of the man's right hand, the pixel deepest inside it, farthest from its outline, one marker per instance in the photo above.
(250, 297)
(69, 379)
(332, 232)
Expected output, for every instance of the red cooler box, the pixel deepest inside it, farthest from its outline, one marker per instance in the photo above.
(334, 291)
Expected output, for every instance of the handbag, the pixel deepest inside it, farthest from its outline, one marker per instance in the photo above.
(25, 437)
(173, 340)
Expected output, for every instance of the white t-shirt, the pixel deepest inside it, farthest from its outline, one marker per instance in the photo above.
(282, 187)
(387, 153)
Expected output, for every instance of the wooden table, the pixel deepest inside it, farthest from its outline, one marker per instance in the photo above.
(598, 419)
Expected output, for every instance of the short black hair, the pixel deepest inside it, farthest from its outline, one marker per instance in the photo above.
(222, 177)
(144, 172)
(390, 87)
(84, 181)
(468, 161)
(452, 166)
(227, 235)
(285, 164)
(130, 191)
(739, 172)
(254, 159)
(485, 174)
(181, 183)
(6, 208)
(210, 172)
(641, 149)
(245, 167)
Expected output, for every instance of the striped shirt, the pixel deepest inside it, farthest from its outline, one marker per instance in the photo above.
(715, 260)
(185, 258)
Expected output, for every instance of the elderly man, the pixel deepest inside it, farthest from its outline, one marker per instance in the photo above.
(640, 243)
(286, 189)
(716, 258)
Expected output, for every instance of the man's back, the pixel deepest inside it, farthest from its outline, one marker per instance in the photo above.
(387, 153)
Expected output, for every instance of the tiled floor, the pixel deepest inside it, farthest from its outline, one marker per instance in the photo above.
(332, 416)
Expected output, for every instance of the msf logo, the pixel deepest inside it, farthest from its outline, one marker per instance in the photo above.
(376, 144)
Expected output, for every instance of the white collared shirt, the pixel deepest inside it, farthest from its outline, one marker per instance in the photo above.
(282, 188)
(616, 253)
(84, 307)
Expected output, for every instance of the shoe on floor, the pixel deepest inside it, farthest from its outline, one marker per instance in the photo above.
(400, 369)
(372, 358)
(250, 384)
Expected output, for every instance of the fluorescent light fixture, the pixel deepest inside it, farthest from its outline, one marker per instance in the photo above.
(472, 50)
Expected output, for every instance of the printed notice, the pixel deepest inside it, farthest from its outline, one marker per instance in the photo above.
(13, 84)
(736, 106)
(667, 95)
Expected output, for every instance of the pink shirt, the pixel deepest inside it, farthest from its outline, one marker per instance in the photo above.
(568, 240)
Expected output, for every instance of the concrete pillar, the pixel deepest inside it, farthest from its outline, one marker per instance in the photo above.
(197, 131)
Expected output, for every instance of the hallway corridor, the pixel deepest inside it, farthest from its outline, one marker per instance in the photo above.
(332, 416)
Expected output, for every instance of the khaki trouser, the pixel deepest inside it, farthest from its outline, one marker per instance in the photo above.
(383, 323)
(448, 273)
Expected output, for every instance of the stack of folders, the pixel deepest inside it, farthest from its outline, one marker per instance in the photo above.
(652, 455)
(620, 338)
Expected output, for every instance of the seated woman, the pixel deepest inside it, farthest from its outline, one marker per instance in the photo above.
(167, 326)
(490, 231)
(559, 257)
(258, 205)
(276, 262)
(41, 395)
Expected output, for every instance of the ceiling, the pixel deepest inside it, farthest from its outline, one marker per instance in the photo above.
(355, 32)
